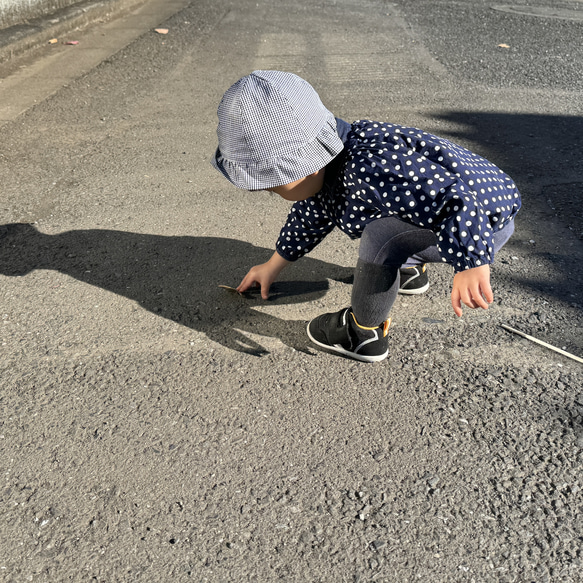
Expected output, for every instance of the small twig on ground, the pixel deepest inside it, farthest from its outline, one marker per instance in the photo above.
(532, 339)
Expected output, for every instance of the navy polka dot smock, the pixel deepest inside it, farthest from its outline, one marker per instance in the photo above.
(389, 170)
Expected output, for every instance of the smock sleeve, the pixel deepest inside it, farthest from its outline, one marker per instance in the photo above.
(462, 227)
(305, 227)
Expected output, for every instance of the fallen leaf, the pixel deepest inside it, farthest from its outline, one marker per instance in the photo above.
(504, 46)
(161, 30)
(53, 41)
(229, 288)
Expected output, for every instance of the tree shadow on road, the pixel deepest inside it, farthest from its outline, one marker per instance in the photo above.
(542, 154)
(174, 277)
(530, 147)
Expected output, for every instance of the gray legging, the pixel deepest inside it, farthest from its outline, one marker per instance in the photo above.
(386, 245)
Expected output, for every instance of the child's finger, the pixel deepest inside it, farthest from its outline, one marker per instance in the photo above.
(481, 303)
(245, 284)
(487, 291)
(467, 298)
(265, 291)
(482, 295)
(478, 300)
(456, 303)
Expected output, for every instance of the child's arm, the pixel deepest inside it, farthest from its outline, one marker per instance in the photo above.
(264, 275)
(472, 287)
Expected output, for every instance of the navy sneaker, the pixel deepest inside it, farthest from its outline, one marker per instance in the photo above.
(340, 333)
(414, 280)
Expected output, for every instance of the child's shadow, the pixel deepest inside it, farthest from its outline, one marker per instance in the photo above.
(174, 277)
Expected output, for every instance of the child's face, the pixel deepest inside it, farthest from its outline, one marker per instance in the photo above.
(301, 189)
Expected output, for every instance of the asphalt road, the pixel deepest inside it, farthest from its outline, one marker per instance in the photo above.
(155, 427)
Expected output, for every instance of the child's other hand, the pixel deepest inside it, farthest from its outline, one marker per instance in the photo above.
(472, 287)
(263, 275)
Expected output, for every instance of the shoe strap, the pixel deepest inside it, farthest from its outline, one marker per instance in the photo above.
(384, 326)
(422, 265)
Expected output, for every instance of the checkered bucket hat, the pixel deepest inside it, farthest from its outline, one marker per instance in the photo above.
(273, 129)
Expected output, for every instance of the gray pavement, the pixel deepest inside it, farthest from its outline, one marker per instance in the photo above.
(27, 27)
(156, 428)
(32, 69)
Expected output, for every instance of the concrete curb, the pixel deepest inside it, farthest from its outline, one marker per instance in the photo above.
(28, 38)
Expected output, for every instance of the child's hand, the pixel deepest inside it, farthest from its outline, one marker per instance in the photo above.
(472, 287)
(263, 275)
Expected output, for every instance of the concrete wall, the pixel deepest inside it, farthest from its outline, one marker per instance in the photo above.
(18, 11)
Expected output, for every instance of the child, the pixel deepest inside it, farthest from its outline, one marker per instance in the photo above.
(411, 197)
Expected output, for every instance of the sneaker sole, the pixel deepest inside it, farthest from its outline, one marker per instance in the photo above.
(339, 350)
(415, 291)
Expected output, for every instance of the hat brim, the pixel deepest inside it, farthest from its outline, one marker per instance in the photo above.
(284, 169)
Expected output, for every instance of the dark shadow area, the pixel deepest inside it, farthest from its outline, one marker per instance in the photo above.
(543, 148)
(560, 287)
(174, 277)
(542, 154)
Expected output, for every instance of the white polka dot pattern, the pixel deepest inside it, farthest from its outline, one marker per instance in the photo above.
(391, 170)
